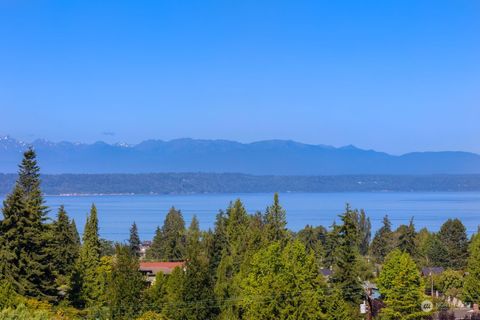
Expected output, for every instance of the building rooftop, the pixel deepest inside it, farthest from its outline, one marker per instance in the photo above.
(153, 267)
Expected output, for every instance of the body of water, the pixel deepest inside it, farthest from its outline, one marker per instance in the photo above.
(117, 213)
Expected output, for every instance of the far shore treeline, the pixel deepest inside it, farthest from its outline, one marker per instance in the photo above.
(188, 183)
(250, 266)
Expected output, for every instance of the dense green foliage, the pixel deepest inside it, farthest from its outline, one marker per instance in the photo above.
(453, 237)
(383, 241)
(25, 258)
(283, 283)
(346, 272)
(125, 285)
(89, 262)
(169, 242)
(250, 266)
(472, 279)
(401, 285)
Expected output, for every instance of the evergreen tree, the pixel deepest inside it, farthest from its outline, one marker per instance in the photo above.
(198, 283)
(153, 253)
(134, 240)
(64, 247)
(219, 241)
(126, 285)
(275, 228)
(170, 243)
(103, 281)
(255, 232)
(453, 236)
(283, 284)
(314, 239)
(332, 242)
(364, 232)
(422, 242)
(337, 308)
(345, 272)
(233, 255)
(74, 231)
(16, 221)
(107, 248)
(406, 238)
(156, 295)
(471, 287)
(382, 243)
(29, 183)
(175, 307)
(88, 263)
(400, 285)
(436, 253)
(25, 260)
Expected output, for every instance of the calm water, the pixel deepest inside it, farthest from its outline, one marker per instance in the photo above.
(116, 213)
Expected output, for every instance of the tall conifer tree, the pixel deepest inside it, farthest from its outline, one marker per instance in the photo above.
(406, 238)
(169, 242)
(198, 285)
(453, 236)
(24, 235)
(126, 285)
(236, 233)
(64, 247)
(382, 242)
(364, 232)
(134, 240)
(275, 226)
(346, 273)
(89, 261)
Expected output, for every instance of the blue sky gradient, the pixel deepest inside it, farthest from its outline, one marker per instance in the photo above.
(395, 76)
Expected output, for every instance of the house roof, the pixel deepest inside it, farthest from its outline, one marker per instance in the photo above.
(433, 270)
(160, 266)
(326, 272)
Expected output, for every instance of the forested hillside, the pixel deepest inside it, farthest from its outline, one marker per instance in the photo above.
(185, 183)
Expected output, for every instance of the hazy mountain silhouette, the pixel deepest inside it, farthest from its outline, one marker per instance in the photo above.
(272, 157)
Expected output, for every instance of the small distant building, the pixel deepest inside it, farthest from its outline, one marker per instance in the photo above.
(432, 271)
(151, 268)
(144, 246)
(327, 273)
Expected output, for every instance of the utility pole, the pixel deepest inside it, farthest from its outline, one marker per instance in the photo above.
(431, 283)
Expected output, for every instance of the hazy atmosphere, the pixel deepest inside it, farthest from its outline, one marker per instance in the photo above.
(394, 76)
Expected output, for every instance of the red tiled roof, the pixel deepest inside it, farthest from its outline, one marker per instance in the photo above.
(156, 266)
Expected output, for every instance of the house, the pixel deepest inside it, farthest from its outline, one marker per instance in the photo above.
(144, 246)
(151, 268)
(432, 271)
(327, 273)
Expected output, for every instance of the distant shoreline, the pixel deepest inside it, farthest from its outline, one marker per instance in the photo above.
(68, 185)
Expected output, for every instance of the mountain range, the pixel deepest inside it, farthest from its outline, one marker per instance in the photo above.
(271, 157)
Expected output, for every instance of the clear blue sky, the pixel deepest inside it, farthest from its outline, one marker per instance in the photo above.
(395, 76)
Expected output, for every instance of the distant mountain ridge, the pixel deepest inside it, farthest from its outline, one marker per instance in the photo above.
(270, 157)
